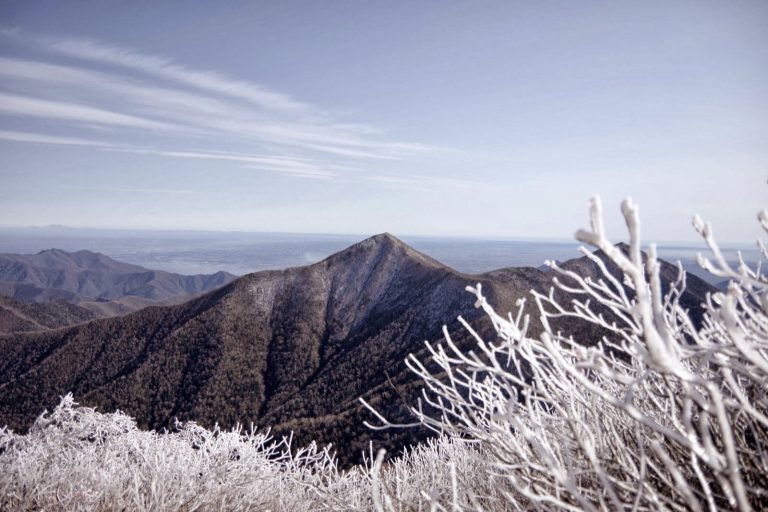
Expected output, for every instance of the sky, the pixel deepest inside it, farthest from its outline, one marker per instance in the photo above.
(443, 118)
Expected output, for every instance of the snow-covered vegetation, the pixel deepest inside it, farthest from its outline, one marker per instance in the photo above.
(661, 413)
(78, 459)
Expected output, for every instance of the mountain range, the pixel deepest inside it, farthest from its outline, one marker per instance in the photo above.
(96, 282)
(292, 350)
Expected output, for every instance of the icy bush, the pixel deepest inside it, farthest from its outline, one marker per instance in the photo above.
(78, 459)
(658, 415)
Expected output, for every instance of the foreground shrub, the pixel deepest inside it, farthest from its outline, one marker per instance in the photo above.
(78, 459)
(658, 415)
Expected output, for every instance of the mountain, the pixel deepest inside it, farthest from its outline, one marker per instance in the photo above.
(291, 349)
(16, 316)
(696, 289)
(96, 281)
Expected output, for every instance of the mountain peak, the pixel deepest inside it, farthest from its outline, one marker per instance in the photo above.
(386, 235)
(82, 259)
(376, 243)
(382, 246)
(387, 238)
(52, 250)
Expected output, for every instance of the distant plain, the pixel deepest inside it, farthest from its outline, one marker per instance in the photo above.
(205, 252)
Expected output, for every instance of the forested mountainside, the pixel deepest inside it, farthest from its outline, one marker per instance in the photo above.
(97, 282)
(16, 316)
(291, 349)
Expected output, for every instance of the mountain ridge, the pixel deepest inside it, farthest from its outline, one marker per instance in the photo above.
(96, 281)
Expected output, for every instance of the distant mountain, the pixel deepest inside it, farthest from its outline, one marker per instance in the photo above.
(96, 281)
(291, 349)
(696, 289)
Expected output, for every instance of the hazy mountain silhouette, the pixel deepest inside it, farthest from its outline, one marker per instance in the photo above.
(291, 349)
(96, 281)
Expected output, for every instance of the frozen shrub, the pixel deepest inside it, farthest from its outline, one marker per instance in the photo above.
(659, 414)
(78, 459)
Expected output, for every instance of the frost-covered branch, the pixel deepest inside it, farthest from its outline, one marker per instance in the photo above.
(657, 414)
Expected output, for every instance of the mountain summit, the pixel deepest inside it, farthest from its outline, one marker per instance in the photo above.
(383, 246)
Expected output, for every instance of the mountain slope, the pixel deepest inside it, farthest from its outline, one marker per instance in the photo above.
(16, 316)
(85, 277)
(292, 349)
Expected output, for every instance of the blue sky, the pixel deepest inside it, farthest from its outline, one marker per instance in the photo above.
(490, 119)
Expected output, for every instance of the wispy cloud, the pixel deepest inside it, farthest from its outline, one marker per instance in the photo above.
(193, 111)
(132, 92)
(34, 107)
(39, 138)
(424, 182)
(289, 165)
(317, 174)
(161, 100)
(129, 190)
(297, 167)
(164, 67)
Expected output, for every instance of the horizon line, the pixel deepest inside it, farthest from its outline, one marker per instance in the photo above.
(488, 238)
